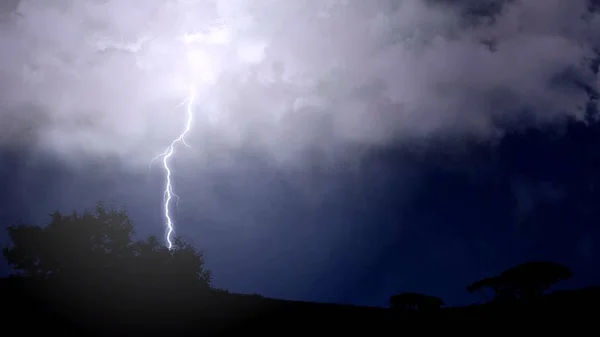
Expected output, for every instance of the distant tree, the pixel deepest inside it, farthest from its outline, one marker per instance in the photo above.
(530, 280)
(97, 248)
(482, 285)
(415, 302)
(525, 282)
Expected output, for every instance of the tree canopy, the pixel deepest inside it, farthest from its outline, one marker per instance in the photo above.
(527, 281)
(97, 247)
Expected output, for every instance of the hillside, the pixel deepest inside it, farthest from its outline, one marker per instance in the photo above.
(109, 312)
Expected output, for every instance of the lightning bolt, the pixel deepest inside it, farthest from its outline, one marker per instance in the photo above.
(200, 66)
(169, 194)
(195, 60)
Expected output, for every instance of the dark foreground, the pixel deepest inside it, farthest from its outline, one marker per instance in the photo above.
(30, 309)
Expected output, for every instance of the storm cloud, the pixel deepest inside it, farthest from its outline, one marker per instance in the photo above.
(103, 78)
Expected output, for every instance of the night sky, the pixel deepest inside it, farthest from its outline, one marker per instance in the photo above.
(341, 152)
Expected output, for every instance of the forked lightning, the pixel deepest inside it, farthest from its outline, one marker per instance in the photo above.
(169, 194)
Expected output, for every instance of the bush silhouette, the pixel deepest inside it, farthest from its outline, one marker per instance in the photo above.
(415, 302)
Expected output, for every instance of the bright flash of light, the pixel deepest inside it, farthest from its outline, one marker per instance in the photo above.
(169, 194)
(202, 66)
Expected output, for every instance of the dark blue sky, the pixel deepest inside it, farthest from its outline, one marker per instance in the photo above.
(403, 221)
(341, 152)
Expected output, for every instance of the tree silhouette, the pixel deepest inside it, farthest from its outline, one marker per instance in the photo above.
(415, 302)
(486, 283)
(530, 280)
(180, 267)
(525, 282)
(97, 248)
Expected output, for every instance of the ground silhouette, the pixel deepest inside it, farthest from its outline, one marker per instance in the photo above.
(83, 274)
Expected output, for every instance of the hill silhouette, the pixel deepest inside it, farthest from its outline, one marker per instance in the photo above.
(83, 274)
